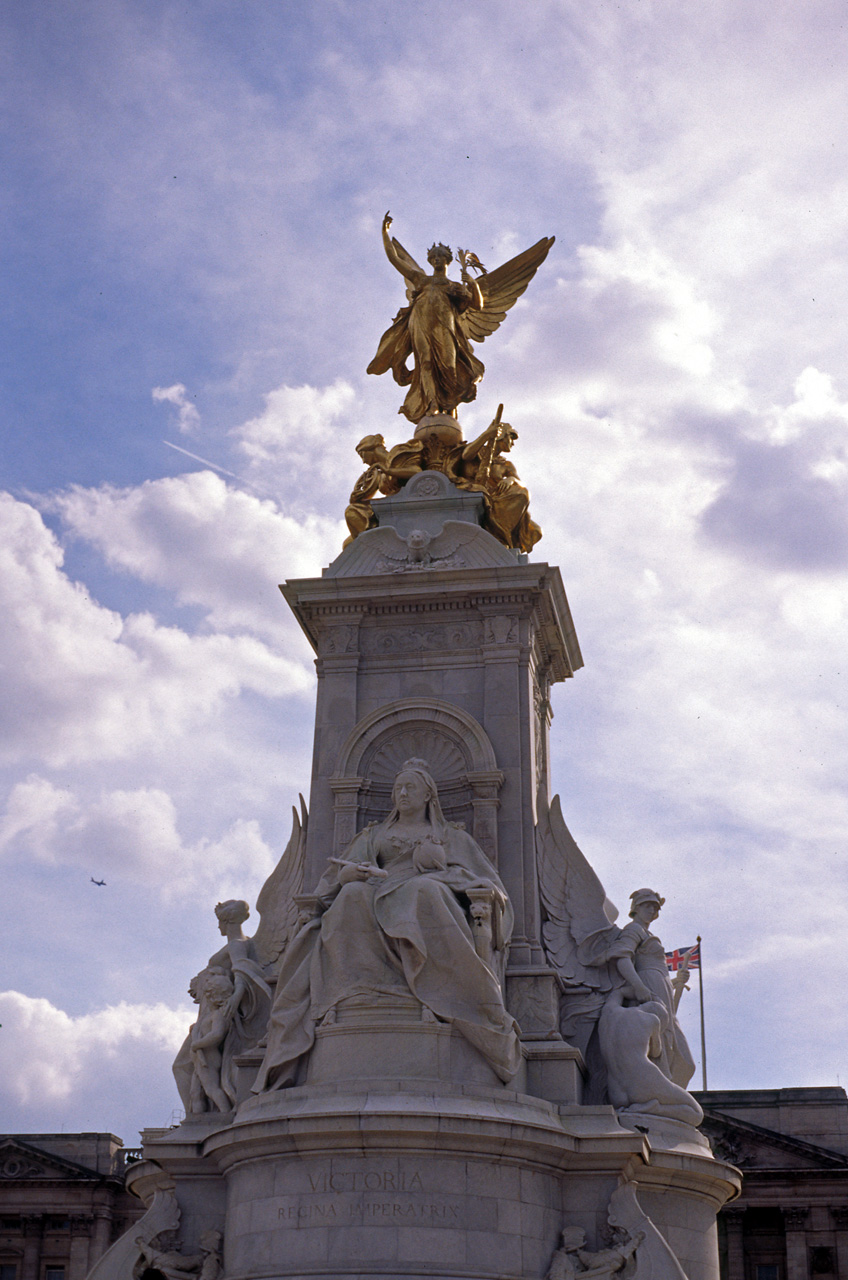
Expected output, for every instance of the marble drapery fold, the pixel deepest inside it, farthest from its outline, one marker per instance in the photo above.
(406, 932)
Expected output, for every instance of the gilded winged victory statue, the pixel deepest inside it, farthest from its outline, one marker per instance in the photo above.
(442, 319)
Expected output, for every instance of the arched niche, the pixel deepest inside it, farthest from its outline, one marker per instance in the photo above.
(454, 745)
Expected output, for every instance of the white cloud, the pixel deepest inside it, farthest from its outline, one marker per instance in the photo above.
(188, 417)
(33, 811)
(132, 833)
(679, 337)
(85, 1070)
(303, 441)
(713, 696)
(212, 546)
(81, 682)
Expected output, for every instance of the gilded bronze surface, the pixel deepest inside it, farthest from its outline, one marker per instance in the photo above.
(442, 318)
(435, 329)
(387, 470)
(478, 466)
(481, 466)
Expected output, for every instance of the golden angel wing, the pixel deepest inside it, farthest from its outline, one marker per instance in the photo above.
(502, 288)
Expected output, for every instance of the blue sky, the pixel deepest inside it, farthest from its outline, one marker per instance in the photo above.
(191, 253)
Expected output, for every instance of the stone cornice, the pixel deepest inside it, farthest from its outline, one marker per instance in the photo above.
(532, 591)
(37, 1165)
(823, 1156)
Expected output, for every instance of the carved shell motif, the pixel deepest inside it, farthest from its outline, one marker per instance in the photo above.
(447, 764)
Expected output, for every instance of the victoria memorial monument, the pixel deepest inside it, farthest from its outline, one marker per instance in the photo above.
(432, 1047)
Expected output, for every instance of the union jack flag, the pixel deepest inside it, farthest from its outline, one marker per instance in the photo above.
(674, 959)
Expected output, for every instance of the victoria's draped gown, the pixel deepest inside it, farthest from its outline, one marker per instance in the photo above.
(405, 933)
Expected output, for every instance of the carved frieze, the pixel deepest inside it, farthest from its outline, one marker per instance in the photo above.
(442, 636)
(533, 1000)
(338, 639)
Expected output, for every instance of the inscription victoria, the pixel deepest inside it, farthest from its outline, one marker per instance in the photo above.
(394, 1205)
(372, 1180)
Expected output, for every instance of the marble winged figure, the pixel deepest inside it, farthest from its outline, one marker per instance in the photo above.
(617, 1004)
(442, 320)
(233, 992)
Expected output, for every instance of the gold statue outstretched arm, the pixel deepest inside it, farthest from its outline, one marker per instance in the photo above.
(398, 256)
(442, 318)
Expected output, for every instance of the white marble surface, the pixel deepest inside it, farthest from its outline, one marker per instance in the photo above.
(399, 1181)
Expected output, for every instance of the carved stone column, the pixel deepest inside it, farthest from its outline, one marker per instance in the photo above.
(78, 1263)
(795, 1226)
(485, 785)
(31, 1225)
(840, 1220)
(734, 1221)
(345, 809)
(102, 1235)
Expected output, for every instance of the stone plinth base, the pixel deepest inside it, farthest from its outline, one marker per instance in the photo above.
(397, 1038)
(466, 1183)
(553, 1070)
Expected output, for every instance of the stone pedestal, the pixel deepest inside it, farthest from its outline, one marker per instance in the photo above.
(459, 1182)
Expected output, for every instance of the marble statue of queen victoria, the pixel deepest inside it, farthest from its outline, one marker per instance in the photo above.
(392, 921)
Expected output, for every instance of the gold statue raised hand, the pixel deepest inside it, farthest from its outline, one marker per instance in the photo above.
(442, 318)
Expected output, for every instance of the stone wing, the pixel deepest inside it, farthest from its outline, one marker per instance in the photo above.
(654, 1257)
(454, 536)
(580, 917)
(502, 288)
(276, 904)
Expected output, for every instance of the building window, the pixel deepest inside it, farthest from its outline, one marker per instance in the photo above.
(8, 1271)
(54, 1273)
(762, 1271)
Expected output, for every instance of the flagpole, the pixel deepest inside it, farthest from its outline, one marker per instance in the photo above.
(703, 1034)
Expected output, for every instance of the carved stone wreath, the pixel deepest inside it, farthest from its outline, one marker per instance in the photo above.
(17, 1167)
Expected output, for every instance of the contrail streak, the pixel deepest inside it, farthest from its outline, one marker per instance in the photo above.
(215, 467)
